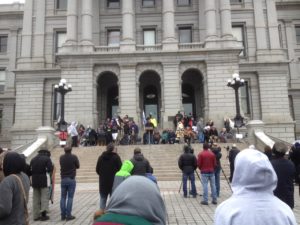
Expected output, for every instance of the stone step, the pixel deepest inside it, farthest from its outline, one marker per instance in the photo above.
(163, 159)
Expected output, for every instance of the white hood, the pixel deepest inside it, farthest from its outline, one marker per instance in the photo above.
(253, 172)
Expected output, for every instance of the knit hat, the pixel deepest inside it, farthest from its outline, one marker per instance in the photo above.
(279, 148)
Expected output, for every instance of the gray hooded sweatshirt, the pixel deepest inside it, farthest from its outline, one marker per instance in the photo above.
(138, 196)
(253, 201)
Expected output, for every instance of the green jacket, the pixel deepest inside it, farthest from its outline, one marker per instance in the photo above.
(125, 170)
(121, 220)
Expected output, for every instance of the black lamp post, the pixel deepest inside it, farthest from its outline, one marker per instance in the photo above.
(236, 83)
(63, 89)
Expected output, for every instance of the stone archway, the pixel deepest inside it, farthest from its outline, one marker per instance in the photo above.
(193, 93)
(107, 95)
(150, 94)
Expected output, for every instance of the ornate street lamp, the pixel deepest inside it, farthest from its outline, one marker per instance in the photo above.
(62, 88)
(236, 83)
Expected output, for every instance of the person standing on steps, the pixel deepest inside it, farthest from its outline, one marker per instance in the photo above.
(108, 164)
(69, 163)
(217, 151)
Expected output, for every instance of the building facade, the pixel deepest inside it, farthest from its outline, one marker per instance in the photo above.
(159, 56)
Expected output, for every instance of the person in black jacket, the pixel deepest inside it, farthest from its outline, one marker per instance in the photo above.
(140, 163)
(295, 157)
(41, 166)
(69, 163)
(231, 157)
(187, 162)
(217, 151)
(285, 171)
(109, 162)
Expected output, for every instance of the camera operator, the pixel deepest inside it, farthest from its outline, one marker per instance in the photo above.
(217, 151)
(187, 162)
(232, 154)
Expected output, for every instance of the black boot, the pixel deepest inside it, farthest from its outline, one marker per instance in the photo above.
(44, 216)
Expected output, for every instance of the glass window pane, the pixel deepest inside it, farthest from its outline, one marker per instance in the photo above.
(148, 3)
(3, 44)
(60, 39)
(113, 3)
(113, 38)
(237, 32)
(62, 4)
(298, 34)
(185, 35)
(183, 2)
(245, 101)
(149, 37)
(2, 80)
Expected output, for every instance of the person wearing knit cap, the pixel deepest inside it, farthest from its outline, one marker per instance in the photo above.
(285, 171)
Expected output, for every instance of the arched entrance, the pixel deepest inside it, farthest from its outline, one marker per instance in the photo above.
(193, 93)
(107, 95)
(150, 94)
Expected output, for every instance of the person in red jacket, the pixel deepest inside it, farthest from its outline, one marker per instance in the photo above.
(207, 163)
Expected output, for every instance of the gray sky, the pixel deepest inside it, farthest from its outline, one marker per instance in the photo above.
(10, 1)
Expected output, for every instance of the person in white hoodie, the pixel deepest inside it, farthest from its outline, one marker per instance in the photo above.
(72, 130)
(253, 201)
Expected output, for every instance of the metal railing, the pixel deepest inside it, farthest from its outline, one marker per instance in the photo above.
(107, 48)
(190, 46)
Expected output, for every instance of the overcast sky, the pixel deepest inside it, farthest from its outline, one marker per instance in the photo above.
(10, 1)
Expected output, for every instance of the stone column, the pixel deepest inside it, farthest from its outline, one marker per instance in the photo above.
(260, 25)
(169, 39)
(87, 24)
(10, 79)
(72, 23)
(39, 34)
(210, 18)
(128, 39)
(27, 30)
(272, 24)
(226, 26)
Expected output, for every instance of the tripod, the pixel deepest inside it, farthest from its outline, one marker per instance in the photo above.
(189, 182)
(226, 179)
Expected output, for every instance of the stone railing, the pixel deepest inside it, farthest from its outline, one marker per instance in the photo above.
(149, 48)
(190, 46)
(107, 49)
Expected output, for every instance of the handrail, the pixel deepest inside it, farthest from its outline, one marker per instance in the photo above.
(34, 147)
(25, 146)
(279, 140)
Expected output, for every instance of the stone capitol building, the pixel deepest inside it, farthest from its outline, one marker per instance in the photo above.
(160, 56)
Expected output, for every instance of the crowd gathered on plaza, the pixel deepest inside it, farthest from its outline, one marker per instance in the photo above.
(269, 187)
(125, 131)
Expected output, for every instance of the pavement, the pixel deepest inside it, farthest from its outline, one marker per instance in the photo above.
(180, 210)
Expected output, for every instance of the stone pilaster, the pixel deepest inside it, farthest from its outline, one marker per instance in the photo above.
(127, 91)
(260, 25)
(10, 78)
(172, 92)
(128, 40)
(272, 24)
(211, 24)
(169, 38)
(86, 26)
(27, 30)
(226, 26)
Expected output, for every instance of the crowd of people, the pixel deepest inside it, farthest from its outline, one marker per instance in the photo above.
(125, 131)
(259, 182)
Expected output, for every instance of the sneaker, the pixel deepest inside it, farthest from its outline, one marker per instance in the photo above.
(63, 218)
(70, 218)
(214, 202)
(204, 203)
(37, 219)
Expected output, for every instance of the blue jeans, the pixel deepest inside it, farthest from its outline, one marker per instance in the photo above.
(103, 200)
(217, 180)
(68, 187)
(205, 177)
(191, 177)
(201, 137)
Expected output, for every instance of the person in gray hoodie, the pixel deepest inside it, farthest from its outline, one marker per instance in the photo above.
(12, 202)
(253, 201)
(136, 201)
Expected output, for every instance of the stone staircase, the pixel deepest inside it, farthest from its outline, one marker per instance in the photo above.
(163, 159)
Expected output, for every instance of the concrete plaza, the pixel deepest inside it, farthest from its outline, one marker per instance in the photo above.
(180, 210)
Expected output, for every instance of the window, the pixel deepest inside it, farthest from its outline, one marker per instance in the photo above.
(113, 37)
(149, 37)
(298, 34)
(148, 3)
(238, 33)
(2, 80)
(60, 39)
(235, 1)
(245, 98)
(56, 104)
(185, 35)
(62, 4)
(183, 2)
(1, 118)
(3, 44)
(113, 3)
